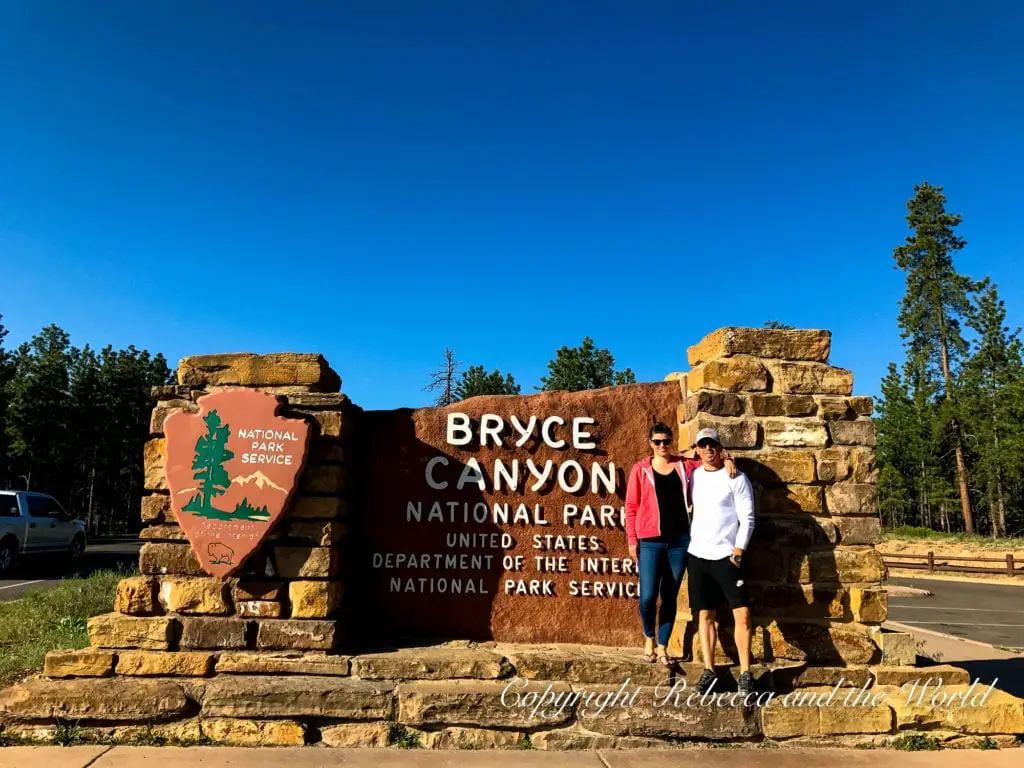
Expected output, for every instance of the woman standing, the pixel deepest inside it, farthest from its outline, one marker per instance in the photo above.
(658, 529)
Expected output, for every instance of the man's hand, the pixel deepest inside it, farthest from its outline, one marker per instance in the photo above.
(632, 552)
(736, 557)
(730, 466)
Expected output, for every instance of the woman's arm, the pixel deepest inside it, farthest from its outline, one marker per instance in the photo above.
(632, 505)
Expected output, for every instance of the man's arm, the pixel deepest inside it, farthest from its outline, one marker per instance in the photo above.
(743, 496)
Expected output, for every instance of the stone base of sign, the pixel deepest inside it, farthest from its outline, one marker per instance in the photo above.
(463, 695)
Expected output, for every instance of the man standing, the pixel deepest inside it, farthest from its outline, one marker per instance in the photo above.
(723, 521)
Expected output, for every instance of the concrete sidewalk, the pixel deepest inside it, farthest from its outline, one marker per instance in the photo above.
(314, 757)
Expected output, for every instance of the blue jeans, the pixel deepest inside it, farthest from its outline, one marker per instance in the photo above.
(661, 573)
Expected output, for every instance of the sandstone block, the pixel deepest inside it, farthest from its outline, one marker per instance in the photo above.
(154, 458)
(900, 676)
(318, 533)
(862, 406)
(254, 733)
(308, 635)
(794, 676)
(782, 405)
(259, 609)
(470, 738)
(792, 499)
(297, 696)
(812, 379)
(323, 479)
(314, 599)
(85, 663)
(860, 432)
(195, 596)
(804, 717)
(791, 602)
(762, 342)
(355, 735)
(869, 605)
(136, 596)
(282, 663)
(157, 558)
(577, 738)
(851, 499)
(713, 403)
(156, 663)
(284, 369)
(256, 590)
(112, 630)
(768, 566)
(803, 433)
(773, 467)
(327, 450)
(170, 392)
(316, 507)
(213, 633)
(1001, 712)
(475, 703)
(837, 721)
(305, 562)
(329, 423)
(797, 533)
(859, 530)
(842, 565)
(817, 644)
(114, 700)
(835, 408)
(865, 466)
(329, 400)
(165, 408)
(734, 374)
(834, 465)
(432, 664)
(156, 508)
(734, 433)
(676, 719)
(899, 649)
(584, 666)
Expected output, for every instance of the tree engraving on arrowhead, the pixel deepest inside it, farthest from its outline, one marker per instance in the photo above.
(231, 470)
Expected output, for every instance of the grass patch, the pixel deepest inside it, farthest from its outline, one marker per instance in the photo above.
(920, 533)
(524, 742)
(401, 737)
(51, 620)
(986, 743)
(916, 742)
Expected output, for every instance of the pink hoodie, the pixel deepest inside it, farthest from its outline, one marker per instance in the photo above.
(643, 518)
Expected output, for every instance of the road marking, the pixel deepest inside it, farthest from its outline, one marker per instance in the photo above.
(23, 584)
(942, 608)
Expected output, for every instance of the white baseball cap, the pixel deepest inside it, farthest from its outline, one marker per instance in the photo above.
(708, 433)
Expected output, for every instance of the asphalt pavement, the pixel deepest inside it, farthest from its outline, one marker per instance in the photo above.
(42, 572)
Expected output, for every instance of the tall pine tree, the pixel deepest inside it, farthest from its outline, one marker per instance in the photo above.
(936, 301)
(584, 367)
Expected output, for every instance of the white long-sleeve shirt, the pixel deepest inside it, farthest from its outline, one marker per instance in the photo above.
(723, 513)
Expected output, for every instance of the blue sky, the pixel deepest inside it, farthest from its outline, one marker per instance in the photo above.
(377, 180)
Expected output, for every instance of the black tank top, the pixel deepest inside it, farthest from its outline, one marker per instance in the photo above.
(671, 504)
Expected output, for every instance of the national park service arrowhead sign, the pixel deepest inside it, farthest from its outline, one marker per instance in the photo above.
(231, 469)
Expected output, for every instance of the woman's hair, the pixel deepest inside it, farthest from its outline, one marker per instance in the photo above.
(661, 428)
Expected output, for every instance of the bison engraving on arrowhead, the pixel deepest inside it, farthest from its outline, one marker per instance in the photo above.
(231, 470)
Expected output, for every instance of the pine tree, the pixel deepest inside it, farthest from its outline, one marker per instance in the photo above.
(584, 367)
(776, 325)
(444, 380)
(898, 448)
(936, 301)
(476, 381)
(991, 378)
(6, 375)
(208, 464)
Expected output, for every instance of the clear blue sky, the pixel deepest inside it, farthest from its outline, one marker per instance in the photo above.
(376, 180)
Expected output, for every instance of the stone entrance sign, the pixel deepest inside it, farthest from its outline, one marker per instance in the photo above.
(231, 469)
(503, 517)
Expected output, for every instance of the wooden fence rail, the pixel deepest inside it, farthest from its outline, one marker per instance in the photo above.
(933, 563)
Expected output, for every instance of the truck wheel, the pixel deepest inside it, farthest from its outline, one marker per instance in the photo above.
(7, 552)
(76, 549)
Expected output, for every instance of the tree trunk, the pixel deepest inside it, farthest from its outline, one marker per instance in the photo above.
(961, 465)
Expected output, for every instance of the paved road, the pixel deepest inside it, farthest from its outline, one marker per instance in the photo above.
(988, 613)
(45, 571)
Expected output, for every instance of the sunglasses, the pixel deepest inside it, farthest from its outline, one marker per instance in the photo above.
(708, 444)
(662, 442)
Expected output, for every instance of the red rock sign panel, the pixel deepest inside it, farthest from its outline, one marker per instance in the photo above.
(231, 469)
(503, 517)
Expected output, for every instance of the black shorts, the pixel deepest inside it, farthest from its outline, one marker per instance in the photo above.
(712, 582)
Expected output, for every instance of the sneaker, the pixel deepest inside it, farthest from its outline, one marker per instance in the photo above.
(706, 680)
(745, 685)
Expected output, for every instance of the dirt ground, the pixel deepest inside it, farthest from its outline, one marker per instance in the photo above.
(895, 547)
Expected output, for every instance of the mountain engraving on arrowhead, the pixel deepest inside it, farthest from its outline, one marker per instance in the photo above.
(231, 470)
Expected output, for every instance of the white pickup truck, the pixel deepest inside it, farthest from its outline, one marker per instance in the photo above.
(34, 523)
